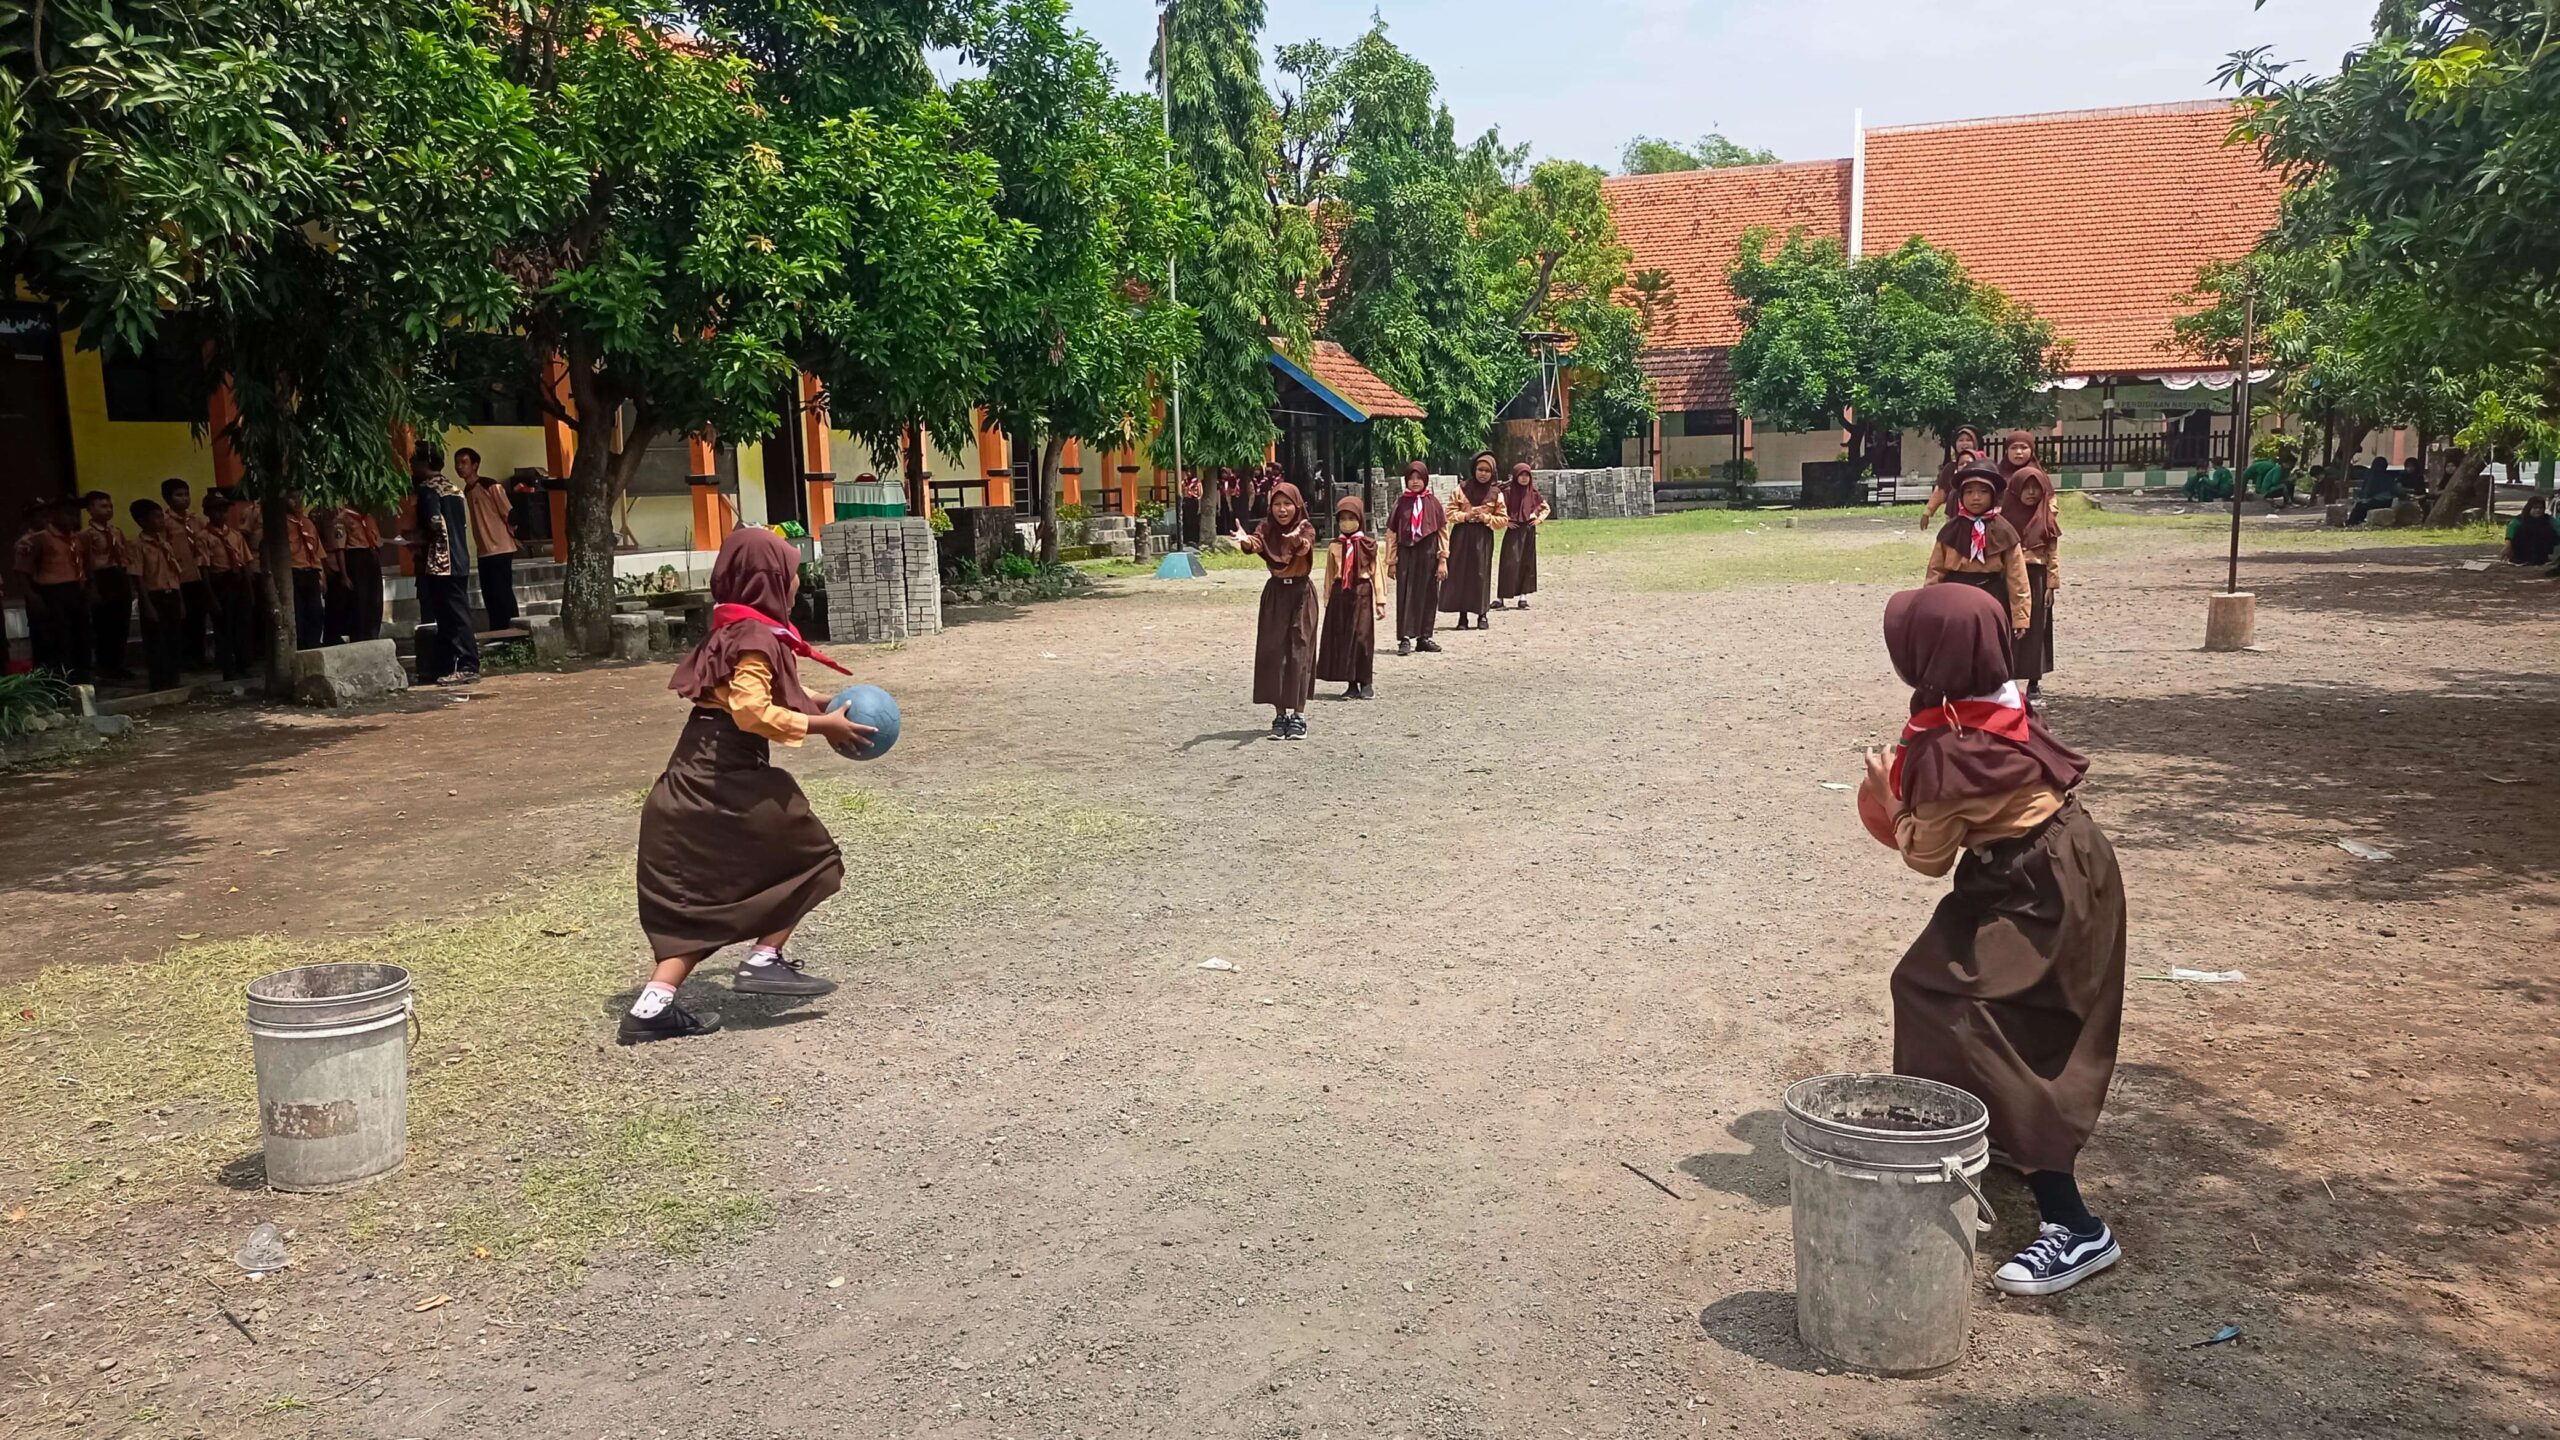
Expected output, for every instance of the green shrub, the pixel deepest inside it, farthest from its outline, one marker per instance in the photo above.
(939, 520)
(27, 697)
(791, 530)
(1017, 567)
(1075, 511)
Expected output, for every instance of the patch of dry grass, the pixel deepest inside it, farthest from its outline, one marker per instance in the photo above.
(531, 1136)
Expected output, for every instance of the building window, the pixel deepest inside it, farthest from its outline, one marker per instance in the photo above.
(501, 403)
(1708, 422)
(164, 383)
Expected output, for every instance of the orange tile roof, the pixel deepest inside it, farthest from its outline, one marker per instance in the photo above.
(1690, 224)
(1697, 378)
(1348, 378)
(2099, 219)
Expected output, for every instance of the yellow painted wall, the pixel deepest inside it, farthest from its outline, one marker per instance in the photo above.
(127, 459)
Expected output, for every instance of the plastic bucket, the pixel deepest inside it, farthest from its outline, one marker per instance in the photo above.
(1886, 1211)
(332, 1049)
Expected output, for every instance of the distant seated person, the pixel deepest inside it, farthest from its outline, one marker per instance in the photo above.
(2531, 538)
(2214, 484)
(2320, 484)
(2270, 479)
(2379, 490)
(2413, 478)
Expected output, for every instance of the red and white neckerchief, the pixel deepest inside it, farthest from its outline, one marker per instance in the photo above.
(1981, 534)
(748, 614)
(1413, 535)
(2003, 712)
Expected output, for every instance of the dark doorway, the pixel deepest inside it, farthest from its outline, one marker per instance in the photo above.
(786, 496)
(35, 423)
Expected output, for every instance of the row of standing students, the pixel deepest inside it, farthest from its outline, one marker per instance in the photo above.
(1436, 558)
(2003, 536)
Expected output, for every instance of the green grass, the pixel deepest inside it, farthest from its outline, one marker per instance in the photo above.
(531, 1138)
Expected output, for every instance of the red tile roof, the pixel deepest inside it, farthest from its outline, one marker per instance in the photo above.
(1699, 378)
(2098, 219)
(1351, 380)
(1690, 224)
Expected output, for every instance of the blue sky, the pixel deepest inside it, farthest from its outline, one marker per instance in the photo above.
(1576, 78)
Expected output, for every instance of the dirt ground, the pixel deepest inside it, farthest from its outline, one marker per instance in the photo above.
(1536, 937)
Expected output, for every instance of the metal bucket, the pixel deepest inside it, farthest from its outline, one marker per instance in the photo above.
(332, 1050)
(1886, 1211)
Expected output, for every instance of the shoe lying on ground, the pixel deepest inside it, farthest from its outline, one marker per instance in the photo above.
(2057, 1261)
(673, 1023)
(780, 975)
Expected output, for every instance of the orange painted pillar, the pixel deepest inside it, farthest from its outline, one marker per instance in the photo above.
(1071, 473)
(404, 443)
(221, 413)
(995, 463)
(1127, 477)
(817, 452)
(559, 451)
(710, 516)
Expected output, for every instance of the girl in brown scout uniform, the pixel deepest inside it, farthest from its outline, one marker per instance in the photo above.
(1978, 547)
(1353, 604)
(729, 849)
(1475, 512)
(1962, 451)
(1417, 555)
(2027, 502)
(2015, 991)
(1284, 639)
(1524, 510)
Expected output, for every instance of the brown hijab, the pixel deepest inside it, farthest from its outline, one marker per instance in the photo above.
(1416, 509)
(1520, 499)
(1948, 467)
(1477, 491)
(2026, 501)
(1986, 536)
(751, 588)
(1951, 645)
(1354, 555)
(1282, 546)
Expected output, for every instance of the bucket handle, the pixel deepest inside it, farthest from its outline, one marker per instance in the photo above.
(1953, 1169)
(417, 1027)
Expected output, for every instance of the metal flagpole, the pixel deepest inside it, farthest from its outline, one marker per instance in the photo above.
(1172, 272)
(2240, 429)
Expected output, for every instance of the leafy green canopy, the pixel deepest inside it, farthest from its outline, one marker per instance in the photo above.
(1246, 274)
(1882, 343)
(1646, 155)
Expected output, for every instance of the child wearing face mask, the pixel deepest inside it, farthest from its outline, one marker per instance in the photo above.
(1353, 604)
(1284, 644)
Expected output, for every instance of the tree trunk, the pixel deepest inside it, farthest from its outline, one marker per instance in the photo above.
(2344, 442)
(275, 551)
(586, 609)
(2469, 486)
(1051, 451)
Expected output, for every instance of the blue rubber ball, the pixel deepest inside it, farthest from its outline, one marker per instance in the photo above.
(867, 705)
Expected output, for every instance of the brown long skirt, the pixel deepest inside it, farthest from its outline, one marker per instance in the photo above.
(1519, 575)
(1469, 588)
(729, 849)
(1284, 644)
(2015, 992)
(2035, 648)
(1417, 589)
(1348, 650)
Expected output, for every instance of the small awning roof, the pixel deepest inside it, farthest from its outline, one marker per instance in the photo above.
(1331, 375)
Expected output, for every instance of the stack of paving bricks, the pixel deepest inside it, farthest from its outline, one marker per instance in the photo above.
(1115, 535)
(1613, 494)
(884, 579)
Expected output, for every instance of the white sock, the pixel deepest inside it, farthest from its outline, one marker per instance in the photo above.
(654, 998)
(764, 955)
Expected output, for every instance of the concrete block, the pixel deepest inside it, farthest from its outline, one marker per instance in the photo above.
(109, 726)
(2381, 519)
(550, 639)
(2230, 622)
(356, 674)
(630, 637)
(661, 632)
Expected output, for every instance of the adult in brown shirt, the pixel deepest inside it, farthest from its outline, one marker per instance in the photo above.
(157, 568)
(48, 566)
(310, 558)
(493, 538)
(108, 558)
(191, 540)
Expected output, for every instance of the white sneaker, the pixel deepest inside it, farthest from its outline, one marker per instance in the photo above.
(2057, 1261)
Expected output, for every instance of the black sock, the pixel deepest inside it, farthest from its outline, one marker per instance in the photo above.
(2058, 1201)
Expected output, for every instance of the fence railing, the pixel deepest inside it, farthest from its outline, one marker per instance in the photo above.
(2151, 450)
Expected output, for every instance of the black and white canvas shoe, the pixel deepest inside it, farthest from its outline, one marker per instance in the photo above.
(672, 1023)
(780, 975)
(2057, 1261)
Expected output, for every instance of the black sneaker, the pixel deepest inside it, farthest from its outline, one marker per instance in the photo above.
(1520, 604)
(1297, 727)
(1427, 645)
(1484, 622)
(1404, 647)
(2057, 1261)
(780, 975)
(673, 1023)
(1465, 623)
(1279, 727)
